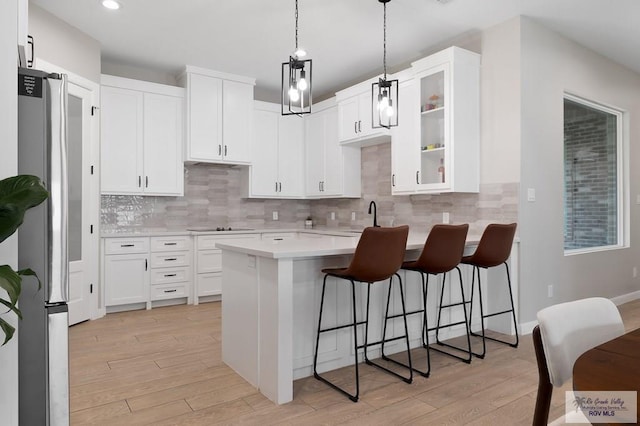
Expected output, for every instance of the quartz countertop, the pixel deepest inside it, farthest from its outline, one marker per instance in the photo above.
(160, 232)
(315, 245)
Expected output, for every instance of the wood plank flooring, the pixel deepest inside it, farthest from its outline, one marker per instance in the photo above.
(164, 367)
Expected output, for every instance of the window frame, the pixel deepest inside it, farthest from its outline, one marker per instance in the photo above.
(622, 176)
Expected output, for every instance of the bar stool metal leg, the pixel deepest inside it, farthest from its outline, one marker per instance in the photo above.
(476, 270)
(352, 397)
(462, 303)
(385, 340)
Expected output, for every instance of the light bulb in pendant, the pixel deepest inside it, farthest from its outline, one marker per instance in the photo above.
(302, 84)
(294, 95)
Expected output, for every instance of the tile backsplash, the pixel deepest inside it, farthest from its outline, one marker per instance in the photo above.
(213, 197)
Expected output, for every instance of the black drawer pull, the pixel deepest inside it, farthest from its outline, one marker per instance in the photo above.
(278, 239)
(170, 259)
(170, 244)
(169, 275)
(127, 245)
(170, 291)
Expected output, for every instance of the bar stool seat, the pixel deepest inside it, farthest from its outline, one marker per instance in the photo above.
(493, 250)
(378, 257)
(441, 253)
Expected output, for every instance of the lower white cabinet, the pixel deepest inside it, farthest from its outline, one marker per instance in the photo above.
(208, 268)
(146, 269)
(170, 267)
(126, 271)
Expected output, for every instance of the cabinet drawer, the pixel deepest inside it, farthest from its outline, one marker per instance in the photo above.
(279, 236)
(160, 292)
(205, 242)
(169, 275)
(169, 259)
(209, 284)
(209, 261)
(174, 243)
(126, 245)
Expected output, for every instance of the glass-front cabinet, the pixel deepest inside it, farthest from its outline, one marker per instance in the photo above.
(435, 148)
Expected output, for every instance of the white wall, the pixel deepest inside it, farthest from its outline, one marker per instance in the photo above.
(9, 167)
(500, 101)
(63, 45)
(551, 65)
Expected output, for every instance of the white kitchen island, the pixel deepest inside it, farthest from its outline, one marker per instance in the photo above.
(271, 298)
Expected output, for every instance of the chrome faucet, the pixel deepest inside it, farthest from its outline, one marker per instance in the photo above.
(375, 213)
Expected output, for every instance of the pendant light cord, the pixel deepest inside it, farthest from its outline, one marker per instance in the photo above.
(384, 40)
(296, 25)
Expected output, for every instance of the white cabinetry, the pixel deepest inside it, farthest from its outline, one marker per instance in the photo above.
(208, 282)
(126, 271)
(170, 267)
(332, 170)
(219, 116)
(141, 141)
(25, 53)
(276, 154)
(436, 147)
(354, 115)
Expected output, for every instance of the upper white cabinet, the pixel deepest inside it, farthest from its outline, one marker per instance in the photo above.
(354, 115)
(219, 116)
(141, 137)
(277, 148)
(436, 147)
(332, 170)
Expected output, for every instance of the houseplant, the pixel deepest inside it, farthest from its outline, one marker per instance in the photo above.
(17, 195)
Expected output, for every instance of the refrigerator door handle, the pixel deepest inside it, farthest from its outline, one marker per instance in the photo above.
(58, 187)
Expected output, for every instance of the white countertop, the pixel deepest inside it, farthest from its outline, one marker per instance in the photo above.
(128, 232)
(314, 245)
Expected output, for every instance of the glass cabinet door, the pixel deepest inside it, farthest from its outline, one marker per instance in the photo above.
(434, 133)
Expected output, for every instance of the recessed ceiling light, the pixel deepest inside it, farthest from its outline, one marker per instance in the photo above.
(111, 4)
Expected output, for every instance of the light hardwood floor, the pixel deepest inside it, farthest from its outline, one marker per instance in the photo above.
(164, 367)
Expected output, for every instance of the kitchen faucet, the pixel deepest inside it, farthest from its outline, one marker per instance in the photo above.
(375, 213)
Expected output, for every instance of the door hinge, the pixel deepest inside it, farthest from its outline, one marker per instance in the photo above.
(91, 288)
(94, 109)
(91, 229)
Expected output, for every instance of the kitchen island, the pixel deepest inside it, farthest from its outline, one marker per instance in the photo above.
(271, 301)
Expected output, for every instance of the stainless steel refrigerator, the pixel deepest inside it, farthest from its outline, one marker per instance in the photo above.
(42, 246)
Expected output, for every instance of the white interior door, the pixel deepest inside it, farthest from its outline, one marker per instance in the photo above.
(80, 227)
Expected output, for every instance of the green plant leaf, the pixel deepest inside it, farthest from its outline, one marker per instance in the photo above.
(12, 308)
(17, 195)
(28, 272)
(11, 282)
(8, 330)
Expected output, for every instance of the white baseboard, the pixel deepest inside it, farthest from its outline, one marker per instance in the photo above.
(527, 327)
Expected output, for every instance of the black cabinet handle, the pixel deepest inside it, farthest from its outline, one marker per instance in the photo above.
(418, 177)
(225, 150)
(139, 181)
(360, 126)
(393, 180)
(219, 149)
(278, 239)
(170, 291)
(146, 265)
(169, 275)
(170, 244)
(355, 127)
(31, 43)
(127, 245)
(170, 259)
(146, 181)
(280, 186)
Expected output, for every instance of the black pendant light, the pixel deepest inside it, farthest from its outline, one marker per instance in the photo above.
(296, 81)
(384, 93)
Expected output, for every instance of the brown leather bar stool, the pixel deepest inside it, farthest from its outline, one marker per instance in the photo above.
(441, 253)
(378, 257)
(493, 249)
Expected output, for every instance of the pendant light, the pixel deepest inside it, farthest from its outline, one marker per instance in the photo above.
(384, 93)
(296, 81)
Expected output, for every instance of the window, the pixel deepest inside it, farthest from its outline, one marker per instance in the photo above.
(593, 181)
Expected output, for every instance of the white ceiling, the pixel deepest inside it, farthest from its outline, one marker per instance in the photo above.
(343, 37)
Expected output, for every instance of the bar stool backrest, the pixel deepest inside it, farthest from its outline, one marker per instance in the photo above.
(379, 253)
(495, 245)
(443, 249)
